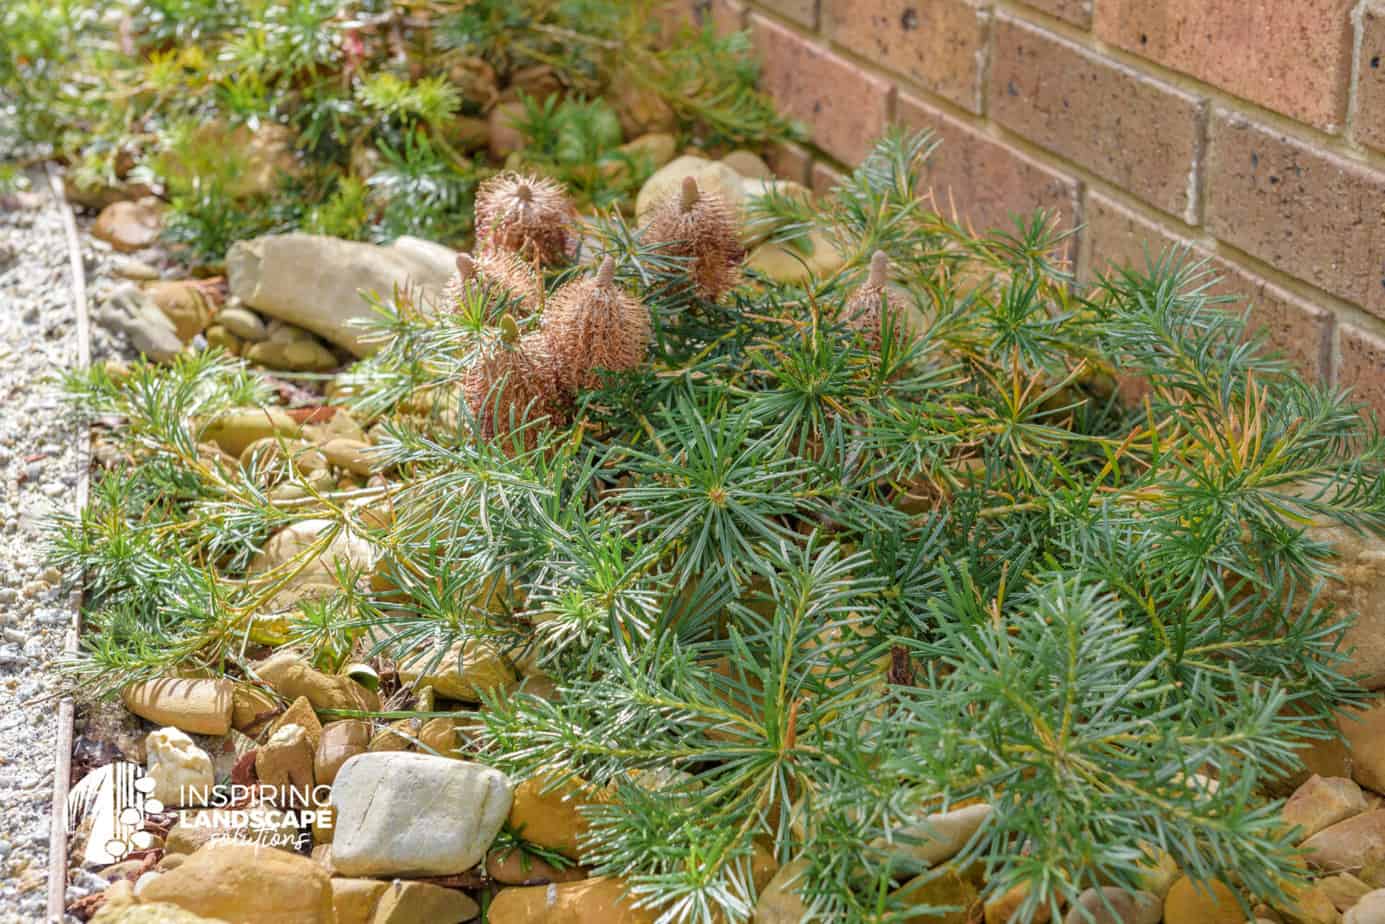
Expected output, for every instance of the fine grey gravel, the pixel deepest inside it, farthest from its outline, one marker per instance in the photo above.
(38, 475)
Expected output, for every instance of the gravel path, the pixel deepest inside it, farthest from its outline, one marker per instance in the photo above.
(38, 474)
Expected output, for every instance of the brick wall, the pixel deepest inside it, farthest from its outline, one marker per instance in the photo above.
(1253, 130)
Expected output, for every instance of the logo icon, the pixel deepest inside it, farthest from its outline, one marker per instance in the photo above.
(116, 799)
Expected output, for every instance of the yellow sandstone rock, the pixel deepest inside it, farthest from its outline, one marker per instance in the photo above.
(201, 706)
(1202, 903)
(246, 884)
(590, 901)
(547, 813)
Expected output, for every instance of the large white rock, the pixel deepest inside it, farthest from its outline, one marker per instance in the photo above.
(318, 578)
(402, 814)
(181, 771)
(1369, 910)
(317, 282)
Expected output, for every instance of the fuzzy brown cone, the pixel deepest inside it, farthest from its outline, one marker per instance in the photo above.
(594, 324)
(699, 225)
(525, 215)
(512, 383)
(863, 308)
(500, 270)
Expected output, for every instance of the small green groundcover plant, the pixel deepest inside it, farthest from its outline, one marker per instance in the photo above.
(820, 578)
(360, 118)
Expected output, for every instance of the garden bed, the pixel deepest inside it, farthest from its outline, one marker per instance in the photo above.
(590, 526)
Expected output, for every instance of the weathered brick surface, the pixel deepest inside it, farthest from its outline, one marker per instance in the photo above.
(940, 45)
(1362, 366)
(790, 161)
(1077, 12)
(1369, 120)
(1135, 131)
(1116, 236)
(803, 12)
(1314, 215)
(845, 107)
(1300, 329)
(986, 180)
(1293, 57)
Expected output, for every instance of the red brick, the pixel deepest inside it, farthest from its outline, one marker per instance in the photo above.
(790, 161)
(1293, 57)
(1116, 236)
(1133, 130)
(1301, 330)
(1077, 12)
(1361, 366)
(940, 45)
(1368, 124)
(824, 178)
(1311, 214)
(986, 180)
(845, 108)
(803, 12)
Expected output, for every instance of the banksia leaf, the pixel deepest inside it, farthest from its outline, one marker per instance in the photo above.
(511, 384)
(701, 227)
(863, 310)
(593, 324)
(501, 270)
(525, 215)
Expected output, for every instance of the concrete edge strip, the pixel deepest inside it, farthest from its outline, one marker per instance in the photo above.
(62, 764)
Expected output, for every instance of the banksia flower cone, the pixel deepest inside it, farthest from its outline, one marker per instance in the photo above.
(863, 308)
(511, 384)
(594, 324)
(700, 226)
(503, 271)
(525, 215)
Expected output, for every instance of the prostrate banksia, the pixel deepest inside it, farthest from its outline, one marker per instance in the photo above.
(701, 227)
(511, 384)
(863, 307)
(525, 215)
(499, 270)
(592, 324)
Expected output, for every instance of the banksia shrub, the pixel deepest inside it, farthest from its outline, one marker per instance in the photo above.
(593, 324)
(700, 226)
(511, 384)
(863, 310)
(499, 270)
(525, 215)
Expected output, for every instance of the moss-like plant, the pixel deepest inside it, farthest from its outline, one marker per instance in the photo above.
(363, 116)
(819, 589)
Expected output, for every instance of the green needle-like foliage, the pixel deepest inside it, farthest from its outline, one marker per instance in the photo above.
(797, 594)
